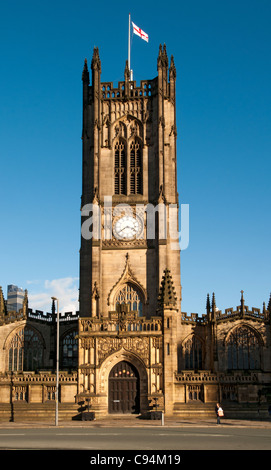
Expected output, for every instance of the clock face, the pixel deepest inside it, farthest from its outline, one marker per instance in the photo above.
(126, 228)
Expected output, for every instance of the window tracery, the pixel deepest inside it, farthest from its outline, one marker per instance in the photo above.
(120, 167)
(244, 349)
(25, 351)
(130, 296)
(135, 168)
(128, 171)
(193, 353)
(70, 350)
(195, 392)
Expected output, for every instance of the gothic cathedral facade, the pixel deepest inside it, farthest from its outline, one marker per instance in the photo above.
(130, 348)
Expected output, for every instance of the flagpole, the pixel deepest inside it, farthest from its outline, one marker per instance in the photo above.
(129, 46)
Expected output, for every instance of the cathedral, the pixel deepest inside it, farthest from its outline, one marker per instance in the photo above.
(130, 349)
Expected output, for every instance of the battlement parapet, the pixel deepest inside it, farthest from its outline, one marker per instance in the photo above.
(241, 312)
(146, 88)
(39, 315)
(193, 318)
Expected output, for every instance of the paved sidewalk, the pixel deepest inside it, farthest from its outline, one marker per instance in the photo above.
(133, 421)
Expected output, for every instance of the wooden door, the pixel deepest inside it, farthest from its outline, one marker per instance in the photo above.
(123, 389)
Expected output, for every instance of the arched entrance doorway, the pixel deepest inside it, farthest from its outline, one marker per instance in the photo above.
(123, 389)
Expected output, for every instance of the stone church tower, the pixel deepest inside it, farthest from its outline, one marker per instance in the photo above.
(130, 288)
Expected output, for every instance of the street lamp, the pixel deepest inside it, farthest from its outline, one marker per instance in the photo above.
(57, 357)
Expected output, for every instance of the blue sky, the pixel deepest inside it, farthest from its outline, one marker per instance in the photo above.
(222, 55)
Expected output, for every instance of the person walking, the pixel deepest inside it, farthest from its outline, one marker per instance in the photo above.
(219, 413)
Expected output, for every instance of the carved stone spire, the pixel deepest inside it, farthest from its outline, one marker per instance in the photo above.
(242, 310)
(25, 305)
(162, 60)
(3, 310)
(96, 80)
(126, 72)
(167, 295)
(172, 69)
(85, 73)
(165, 57)
(127, 79)
(96, 62)
(269, 305)
(213, 309)
(213, 303)
(160, 56)
(269, 308)
(208, 306)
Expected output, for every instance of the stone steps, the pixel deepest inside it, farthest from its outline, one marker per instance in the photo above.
(231, 410)
(27, 412)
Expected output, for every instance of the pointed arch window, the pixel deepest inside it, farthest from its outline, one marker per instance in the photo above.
(25, 351)
(70, 350)
(128, 167)
(130, 296)
(120, 167)
(193, 354)
(244, 349)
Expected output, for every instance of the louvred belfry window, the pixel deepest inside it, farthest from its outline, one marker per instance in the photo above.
(135, 168)
(131, 181)
(120, 168)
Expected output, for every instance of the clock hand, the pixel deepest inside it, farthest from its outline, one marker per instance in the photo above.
(123, 228)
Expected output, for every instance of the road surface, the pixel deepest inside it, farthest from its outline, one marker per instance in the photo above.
(136, 438)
